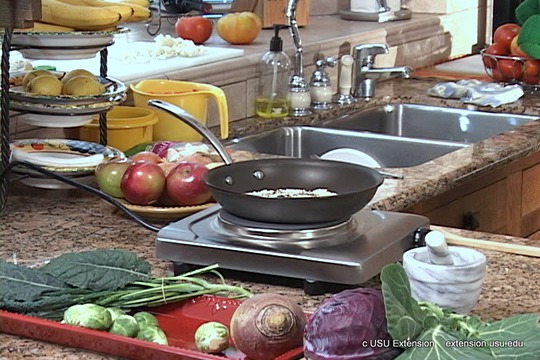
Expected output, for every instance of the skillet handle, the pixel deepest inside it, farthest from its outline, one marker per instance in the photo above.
(190, 120)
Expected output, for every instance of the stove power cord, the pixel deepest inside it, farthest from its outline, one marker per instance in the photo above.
(78, 185)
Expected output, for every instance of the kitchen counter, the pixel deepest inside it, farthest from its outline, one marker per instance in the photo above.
(40, 224)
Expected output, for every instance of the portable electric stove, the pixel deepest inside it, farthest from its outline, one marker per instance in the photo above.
(346, 253)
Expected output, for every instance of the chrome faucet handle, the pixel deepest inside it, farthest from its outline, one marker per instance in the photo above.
(365, 53)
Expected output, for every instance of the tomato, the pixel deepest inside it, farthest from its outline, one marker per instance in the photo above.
(194, 28)
(504, 34)
(510, 69)
(532, 72)
(515, 50)
(493, 49)
(239, 28)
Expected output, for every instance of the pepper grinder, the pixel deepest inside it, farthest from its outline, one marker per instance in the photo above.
(320, 84)
(344, 96)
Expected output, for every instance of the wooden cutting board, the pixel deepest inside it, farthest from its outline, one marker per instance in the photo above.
(469, 67)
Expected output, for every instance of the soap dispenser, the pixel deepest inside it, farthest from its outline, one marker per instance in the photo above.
(321, 86)
(274, 69)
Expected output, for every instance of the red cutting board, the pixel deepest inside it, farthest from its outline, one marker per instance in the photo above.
(179, 321)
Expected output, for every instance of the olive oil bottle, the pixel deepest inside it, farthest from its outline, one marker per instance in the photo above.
(274, 71)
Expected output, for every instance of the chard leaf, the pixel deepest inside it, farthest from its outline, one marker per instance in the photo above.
(436, 344)
(405, 318)
(517, 337)
(99, 269)
(19, 283)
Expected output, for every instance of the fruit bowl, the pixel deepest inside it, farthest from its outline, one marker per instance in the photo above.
(164, 213)
(511, 69)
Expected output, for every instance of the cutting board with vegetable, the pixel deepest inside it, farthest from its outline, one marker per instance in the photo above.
(81, 288)
(130, 70)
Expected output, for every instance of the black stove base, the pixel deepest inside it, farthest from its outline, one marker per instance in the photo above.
(311, 288)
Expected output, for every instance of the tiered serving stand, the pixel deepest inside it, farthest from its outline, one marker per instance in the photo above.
(21, 14)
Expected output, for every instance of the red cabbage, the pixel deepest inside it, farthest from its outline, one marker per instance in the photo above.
(161, 147)
(349, 325)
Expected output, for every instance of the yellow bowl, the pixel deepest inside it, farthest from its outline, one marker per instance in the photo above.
(127, 126)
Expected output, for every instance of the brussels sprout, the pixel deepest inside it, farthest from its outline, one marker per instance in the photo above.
(115, 312)
(212, 337)
(125, 325)
(91, 316)
(145, 319)
(152, 334)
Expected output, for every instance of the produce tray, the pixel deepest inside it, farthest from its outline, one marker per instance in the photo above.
(179, 321)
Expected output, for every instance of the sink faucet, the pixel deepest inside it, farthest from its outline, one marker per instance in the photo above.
(299, 93)
(366, 75)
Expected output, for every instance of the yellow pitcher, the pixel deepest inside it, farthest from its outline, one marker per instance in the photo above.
(190, 96)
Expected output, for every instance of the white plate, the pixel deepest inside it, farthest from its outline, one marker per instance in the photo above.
(55, 121)
(352, 156)
(61, 54)
(63, 45)
(63, 156)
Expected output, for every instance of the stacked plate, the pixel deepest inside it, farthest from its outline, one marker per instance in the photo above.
(71, 158)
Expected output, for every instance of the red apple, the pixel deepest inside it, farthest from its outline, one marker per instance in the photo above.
(147, 156)
(142, 183)
(109, 175)
(185, 185)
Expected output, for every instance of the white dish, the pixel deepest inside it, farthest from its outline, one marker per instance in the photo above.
(55, 121)
(62, 156)
(351, 156)
(63, 45)
(61, 54)
(57, 159)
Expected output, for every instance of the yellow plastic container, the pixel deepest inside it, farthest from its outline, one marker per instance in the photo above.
(127, 126)
(190, 96)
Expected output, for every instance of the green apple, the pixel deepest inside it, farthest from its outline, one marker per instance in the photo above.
(109, 176)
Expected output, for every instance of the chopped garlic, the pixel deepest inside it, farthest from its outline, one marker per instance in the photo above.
(292, 193)
(164, 47)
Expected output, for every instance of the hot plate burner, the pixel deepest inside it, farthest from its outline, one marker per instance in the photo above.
(250, 233)
(348, 253)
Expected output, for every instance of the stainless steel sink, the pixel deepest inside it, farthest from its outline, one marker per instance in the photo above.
(429, 122)
(308, 142)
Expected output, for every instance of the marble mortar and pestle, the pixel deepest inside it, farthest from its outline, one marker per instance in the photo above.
(449, 276)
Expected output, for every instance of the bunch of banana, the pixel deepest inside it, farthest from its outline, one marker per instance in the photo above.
(91, 14)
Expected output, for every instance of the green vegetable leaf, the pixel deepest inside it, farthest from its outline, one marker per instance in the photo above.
(406, 319)
(516, 337)
(99, 269)
(19, 283)
(437, 344)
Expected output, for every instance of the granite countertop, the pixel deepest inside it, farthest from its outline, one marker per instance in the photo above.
(39, 224)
